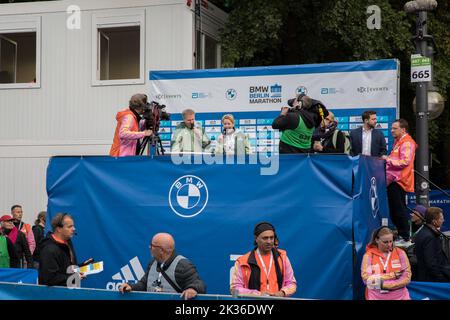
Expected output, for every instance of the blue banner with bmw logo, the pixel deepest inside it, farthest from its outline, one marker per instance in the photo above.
(118, 204)
(370, 208)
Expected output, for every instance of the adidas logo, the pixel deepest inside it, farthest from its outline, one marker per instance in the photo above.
(127, 274)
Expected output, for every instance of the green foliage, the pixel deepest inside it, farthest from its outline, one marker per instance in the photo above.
(297, 32)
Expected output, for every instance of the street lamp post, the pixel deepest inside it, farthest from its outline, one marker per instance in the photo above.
(421, 39)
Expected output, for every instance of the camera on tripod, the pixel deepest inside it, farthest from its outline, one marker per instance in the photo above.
(153, 114)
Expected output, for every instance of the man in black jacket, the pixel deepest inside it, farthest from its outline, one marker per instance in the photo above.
(168, 271)
(57, 252)
(366, 139)
(432, 263)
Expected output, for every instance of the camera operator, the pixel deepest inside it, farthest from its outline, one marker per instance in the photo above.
(298, 122)
(127, 134)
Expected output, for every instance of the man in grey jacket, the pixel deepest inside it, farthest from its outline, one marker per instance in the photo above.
(188, 138)
(168, 271)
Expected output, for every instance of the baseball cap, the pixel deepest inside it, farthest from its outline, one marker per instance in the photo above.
(6, 217)
(421, 210)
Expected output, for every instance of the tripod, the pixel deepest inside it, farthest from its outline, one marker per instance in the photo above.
(153, 144)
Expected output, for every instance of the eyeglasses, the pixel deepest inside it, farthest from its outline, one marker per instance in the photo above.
(155, 246)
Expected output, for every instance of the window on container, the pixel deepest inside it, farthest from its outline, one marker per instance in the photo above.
(211, 53)
(18, 57)
(118, 53)
(208, 52)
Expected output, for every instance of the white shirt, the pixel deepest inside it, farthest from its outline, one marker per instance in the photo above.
(366, 141)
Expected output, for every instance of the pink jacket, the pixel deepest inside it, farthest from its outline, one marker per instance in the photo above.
(239, 281)
(126, 135)
(400, 163)
(396, 277)
(26, 229)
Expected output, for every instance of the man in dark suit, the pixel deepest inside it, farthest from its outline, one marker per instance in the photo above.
(367, 140)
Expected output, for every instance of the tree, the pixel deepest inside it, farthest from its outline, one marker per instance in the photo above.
(282, 32)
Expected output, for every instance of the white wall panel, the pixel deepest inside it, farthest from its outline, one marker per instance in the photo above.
(23, 182)
(67, 115)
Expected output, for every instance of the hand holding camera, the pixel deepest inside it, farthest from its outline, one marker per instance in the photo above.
(317, 146)
(284, 110)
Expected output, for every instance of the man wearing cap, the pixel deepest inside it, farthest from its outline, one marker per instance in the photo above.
(127, 134)
(8, 257)
(266, 270)
(18, 240)
(417, 219)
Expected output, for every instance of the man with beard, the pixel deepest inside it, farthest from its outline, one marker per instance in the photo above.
(266, 270)
(367, 140)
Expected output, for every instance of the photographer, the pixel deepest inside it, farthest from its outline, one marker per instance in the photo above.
(298, 122)
(127, 134)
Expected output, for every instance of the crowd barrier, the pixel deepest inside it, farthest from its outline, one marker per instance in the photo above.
(15, 291)
(324, 208)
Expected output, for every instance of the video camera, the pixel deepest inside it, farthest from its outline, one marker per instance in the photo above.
(153, 114)
(311, 106)
(301, 103)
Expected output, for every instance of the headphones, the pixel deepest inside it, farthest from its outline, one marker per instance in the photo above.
(59, 222)
(377, 231)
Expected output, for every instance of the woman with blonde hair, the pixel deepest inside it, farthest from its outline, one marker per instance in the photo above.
(232, 141)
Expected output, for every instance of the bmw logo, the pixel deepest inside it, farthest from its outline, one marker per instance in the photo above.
(375, 206)
(231, 94)
(301, 90)
(188, 196)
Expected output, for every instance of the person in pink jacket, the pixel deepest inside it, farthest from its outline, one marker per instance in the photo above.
(128, 130)
(266, 270)
(385, 269)
(400, 178)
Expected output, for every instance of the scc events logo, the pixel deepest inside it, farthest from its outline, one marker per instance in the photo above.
(188, 196)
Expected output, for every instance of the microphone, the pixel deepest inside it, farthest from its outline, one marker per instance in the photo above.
(420, 5)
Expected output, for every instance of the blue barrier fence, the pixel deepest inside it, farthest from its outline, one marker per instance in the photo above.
(14, 291)
(119, 203)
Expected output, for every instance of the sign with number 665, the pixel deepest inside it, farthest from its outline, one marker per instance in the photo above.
(420, 68)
